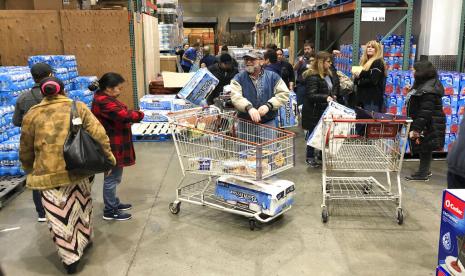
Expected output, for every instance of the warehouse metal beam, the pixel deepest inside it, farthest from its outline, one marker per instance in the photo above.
(317, 34)
(356, 33)
(408, 34)
(296, 40)
(339, 36)
(461, 48)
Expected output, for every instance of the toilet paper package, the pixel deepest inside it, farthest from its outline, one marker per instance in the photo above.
(199, 87)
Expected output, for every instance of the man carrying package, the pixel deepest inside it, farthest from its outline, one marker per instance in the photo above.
(256, 93)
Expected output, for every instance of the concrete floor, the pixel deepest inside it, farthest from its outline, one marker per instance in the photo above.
(359, 239)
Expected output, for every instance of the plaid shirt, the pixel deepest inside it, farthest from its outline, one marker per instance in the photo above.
(116, 119)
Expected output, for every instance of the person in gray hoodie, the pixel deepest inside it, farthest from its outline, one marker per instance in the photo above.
(456, 161)
(26, 100)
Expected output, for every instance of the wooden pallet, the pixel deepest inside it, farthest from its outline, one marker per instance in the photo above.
(10, 187)
(151, 132)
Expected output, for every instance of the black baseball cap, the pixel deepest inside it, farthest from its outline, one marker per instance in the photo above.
(40, 71)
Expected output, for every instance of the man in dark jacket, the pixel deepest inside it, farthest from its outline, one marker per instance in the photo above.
(208, 59)
(424, 106)
(271, 62)
(287, 71)
(224, 72)
(300, 66)
(26, 100)
(456, 161)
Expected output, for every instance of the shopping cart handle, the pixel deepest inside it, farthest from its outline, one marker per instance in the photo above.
(368, 121)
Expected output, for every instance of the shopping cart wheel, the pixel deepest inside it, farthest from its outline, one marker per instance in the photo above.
(252, 224)
(324, 214)
(175, 208)
(400, 216)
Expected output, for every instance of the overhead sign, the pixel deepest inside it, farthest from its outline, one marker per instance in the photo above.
(374, 14)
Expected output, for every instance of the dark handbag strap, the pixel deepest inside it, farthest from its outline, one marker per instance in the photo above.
(74, 115)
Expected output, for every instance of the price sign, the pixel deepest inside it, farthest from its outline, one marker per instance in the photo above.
(374, 14)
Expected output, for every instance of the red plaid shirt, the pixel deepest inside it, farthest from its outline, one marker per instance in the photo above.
(116, 119)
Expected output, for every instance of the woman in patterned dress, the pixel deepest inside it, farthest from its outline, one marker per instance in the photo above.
(66, 196)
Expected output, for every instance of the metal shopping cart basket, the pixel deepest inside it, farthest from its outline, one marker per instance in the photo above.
(363, 146)
(211, 143)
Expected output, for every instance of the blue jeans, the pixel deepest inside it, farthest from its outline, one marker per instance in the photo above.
(110, 182)
(37, 198)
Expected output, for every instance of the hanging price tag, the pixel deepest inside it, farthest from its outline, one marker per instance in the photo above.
(374, 14)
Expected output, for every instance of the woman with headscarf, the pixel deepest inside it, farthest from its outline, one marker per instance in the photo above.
(66, 196)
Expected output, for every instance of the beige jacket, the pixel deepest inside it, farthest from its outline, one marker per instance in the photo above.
(43, 134)
(281, 96)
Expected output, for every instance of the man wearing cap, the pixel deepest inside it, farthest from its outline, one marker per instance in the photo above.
(256, 93)
(26, 100)
(224, 71)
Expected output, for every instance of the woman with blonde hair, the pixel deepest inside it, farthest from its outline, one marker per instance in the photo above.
(320, 89)
(371, 80)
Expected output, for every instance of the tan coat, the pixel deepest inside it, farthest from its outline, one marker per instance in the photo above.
(43, 134)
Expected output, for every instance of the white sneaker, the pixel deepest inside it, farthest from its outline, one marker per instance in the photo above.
(41, 219)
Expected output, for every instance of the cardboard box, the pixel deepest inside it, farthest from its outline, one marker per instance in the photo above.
(452, 233)
(168, 63)
(199, 87)
(440, 271)
(267, 197)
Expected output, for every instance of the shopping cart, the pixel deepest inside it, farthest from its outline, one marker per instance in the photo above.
(211, 144)
(363, 146)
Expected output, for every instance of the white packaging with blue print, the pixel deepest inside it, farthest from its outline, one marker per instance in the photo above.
(288, 113)
(268, 197)
(199, 87)
(334, 111)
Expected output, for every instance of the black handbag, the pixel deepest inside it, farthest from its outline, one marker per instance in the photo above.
(82, 153)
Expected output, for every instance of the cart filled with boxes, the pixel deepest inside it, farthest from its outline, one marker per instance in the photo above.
(233, 158)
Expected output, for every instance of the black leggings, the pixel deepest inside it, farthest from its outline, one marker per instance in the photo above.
(455, 181)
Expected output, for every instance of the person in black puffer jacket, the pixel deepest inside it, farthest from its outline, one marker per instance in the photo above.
(424, 106)
(456, 161)
(370, 82)
(320, 89)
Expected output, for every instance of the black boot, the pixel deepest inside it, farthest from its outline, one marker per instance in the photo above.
(71, 268)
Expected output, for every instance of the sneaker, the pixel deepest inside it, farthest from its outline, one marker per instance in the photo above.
(116, 215)
(312, 163)
(124, 207)
(417, 178)
(42, 218)
(418, 174)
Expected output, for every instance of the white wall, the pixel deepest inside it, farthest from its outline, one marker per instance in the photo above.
(440, 27)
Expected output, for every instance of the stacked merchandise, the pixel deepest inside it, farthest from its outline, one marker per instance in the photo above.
(398, 84)
(393, 49)
(65, 69)
(157, 107)
(14, 80)
(168, 36)
(238, 55)
(169, 19)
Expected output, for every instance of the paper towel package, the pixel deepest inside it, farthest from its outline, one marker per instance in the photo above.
(267, 197)
(157, 102)
(335, 111)
(451, 255)
(287, 114)
(199, 87)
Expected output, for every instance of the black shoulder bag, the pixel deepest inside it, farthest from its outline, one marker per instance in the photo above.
(81, 152)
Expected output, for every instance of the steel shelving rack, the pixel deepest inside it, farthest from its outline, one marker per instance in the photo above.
(264, 31)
